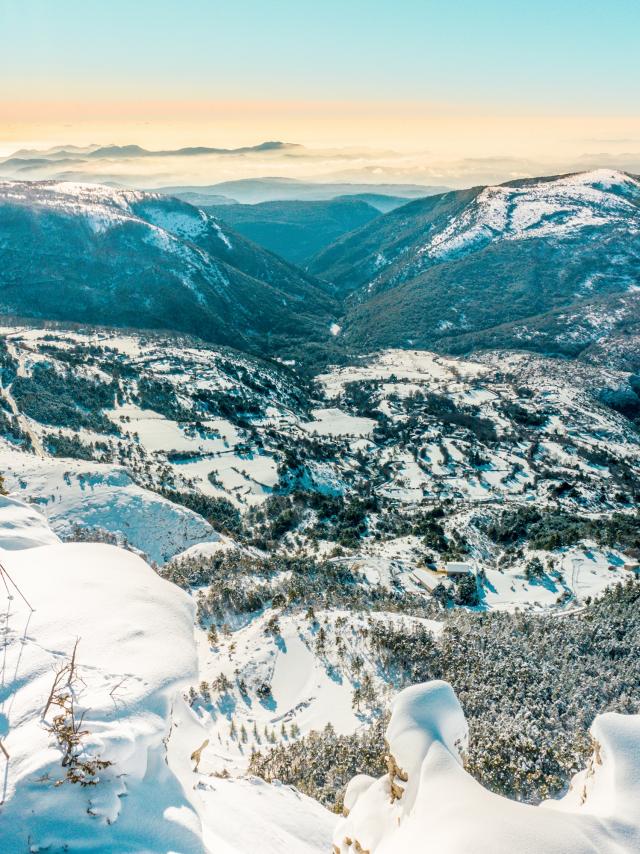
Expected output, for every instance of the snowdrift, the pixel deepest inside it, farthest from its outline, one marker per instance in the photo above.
(427, 801)
(100, 496)
(22, 527)
(135, 653)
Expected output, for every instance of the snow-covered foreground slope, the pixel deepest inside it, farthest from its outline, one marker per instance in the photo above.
(116, 700)
(428, 802)
(22, 527)
(134, 653)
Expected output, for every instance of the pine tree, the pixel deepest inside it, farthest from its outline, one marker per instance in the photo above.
(321, 641)
(357, 698)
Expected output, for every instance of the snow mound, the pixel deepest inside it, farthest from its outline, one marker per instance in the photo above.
(135, 654)
(107, 654)
(427, 801)
(22, 527)
(96, 496)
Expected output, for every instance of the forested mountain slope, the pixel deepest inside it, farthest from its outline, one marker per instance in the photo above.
(473, 262)
(92, 254)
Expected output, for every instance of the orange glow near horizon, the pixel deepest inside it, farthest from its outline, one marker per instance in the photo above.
(458, 131)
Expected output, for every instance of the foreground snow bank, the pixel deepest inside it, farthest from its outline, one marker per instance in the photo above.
(134, 655)
(427, 801)
(22, 527)
(120, 692)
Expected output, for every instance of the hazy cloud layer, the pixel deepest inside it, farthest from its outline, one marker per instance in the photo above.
(131, 165)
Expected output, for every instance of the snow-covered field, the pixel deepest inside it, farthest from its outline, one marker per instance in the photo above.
(333, 422)
(304, 692)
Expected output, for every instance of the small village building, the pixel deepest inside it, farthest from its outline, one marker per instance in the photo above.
(426, 579)
(454, 569)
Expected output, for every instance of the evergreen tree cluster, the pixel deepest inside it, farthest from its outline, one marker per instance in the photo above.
(530, 687)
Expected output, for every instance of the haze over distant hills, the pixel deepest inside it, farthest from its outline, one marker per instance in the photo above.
(25, 158)
(206, 163)
(299, 170)
(255, 190)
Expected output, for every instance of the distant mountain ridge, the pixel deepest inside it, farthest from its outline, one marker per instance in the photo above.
(198, 169)
(252, 191)
(97, 151)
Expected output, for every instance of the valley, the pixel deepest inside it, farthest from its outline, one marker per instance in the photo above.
(329, 519)
(358, 458)
(319, 427)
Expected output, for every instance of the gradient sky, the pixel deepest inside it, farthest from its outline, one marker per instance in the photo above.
(474, 77)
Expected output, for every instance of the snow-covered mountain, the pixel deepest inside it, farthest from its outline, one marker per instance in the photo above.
(434, 273)
(93, 254)
(469, 262)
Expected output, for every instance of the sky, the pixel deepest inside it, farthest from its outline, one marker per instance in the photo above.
(523, 83)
